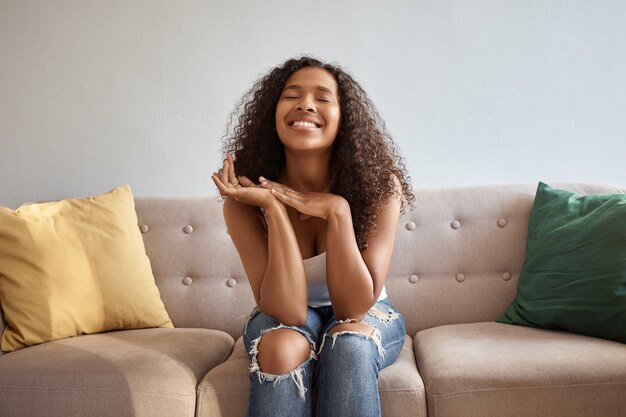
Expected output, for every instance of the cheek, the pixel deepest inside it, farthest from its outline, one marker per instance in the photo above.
(335, 116)
(279, 114)
(279, 121)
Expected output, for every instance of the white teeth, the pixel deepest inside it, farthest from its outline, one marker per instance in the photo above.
(303, 124)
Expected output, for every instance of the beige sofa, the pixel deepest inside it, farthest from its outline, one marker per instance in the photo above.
(455, 269)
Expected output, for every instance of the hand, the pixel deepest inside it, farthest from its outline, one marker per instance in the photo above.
(241, 188)
(309, 204)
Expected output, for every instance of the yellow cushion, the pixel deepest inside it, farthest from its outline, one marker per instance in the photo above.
(75, 266)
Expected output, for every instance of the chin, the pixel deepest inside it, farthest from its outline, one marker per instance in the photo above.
(306, 144)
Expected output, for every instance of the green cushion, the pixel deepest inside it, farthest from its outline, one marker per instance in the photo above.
(574, 274)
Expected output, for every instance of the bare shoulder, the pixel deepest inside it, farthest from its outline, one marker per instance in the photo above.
(397, 187)
(387, 217)
(246, 226)
(391, 207)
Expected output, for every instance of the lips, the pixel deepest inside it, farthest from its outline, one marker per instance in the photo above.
(309, 125)
(304, 121)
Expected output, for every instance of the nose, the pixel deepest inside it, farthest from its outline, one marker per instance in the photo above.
(305, 105)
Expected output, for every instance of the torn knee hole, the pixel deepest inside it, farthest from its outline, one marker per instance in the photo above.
(353, 327)
(359, 329)
(281, 341)
(282, 350)
(384, 318)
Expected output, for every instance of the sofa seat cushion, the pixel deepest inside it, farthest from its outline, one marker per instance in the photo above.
(224, 391)
(148, 372)
(494, 369)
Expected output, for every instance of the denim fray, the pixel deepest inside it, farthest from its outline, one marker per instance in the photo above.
(295, 374)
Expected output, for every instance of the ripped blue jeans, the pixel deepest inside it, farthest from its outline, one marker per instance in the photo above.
(342, 366)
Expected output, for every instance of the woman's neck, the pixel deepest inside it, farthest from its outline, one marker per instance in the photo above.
(310, 172)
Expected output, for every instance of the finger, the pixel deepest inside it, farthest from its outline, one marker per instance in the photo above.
(220, 185)
(232, 178)
(245, 181)
(270, 184)
(288, 199)
(225, 190)
(224, 173)
(222, 168)
(216, 177)
(265, 183)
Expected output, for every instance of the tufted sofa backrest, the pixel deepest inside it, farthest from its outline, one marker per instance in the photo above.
(195, 264)
(457, 256)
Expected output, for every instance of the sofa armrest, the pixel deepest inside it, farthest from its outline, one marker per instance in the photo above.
(3, 324)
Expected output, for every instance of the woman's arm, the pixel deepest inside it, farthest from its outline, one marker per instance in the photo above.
(272, 262)
(355, 278)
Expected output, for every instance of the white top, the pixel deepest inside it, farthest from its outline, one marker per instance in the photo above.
(315, 269)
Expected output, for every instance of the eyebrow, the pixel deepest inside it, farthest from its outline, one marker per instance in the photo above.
(299, 87)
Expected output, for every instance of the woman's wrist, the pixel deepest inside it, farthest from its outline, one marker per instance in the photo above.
(339, 208)
(273, 206)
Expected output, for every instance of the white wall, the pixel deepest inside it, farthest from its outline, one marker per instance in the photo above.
(94, 94)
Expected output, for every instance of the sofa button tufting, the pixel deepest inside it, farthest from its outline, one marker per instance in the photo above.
(411, 226)
(506, 276)
(144, 228)
(455, 224)
(187, 281)
(188, 229)
(413, 279)
(502, 222)
(232, 283)
(460, 277)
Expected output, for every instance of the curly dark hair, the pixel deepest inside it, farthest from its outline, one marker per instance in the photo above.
(365, 158)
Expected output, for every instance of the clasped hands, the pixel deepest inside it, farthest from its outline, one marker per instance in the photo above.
(242, 189)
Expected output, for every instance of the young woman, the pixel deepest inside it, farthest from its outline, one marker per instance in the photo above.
(314, 187)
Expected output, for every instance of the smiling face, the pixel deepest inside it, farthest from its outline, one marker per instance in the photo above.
(308, 112)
